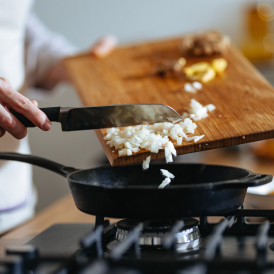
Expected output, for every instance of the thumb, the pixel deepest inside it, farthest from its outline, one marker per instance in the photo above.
(104, 46)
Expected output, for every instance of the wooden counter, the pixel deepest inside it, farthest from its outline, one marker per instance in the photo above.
(64, 210)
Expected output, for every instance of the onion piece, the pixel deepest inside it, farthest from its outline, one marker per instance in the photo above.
(164, 183)
(189, 88)
(166, 173)
(146, 162)
(197, 85)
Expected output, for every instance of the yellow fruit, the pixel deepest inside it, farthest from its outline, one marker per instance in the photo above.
(219, 65)
(196, 68)
(208, 75)
(204, 71)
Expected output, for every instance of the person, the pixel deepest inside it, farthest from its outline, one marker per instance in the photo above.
(30, 56)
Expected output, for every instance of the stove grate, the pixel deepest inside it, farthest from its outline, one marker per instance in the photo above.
(232, 245)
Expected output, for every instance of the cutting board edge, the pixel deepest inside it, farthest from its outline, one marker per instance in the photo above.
(186, 149)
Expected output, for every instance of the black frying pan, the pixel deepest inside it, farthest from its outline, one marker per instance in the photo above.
(130, 192)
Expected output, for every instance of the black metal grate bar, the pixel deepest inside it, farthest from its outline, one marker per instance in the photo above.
(196, 269)
(131, 240)
(99, 220)
(97, 267)
(170, 239)
(94, 238)
(208, 260)
(267, 213)
(215, 239)
(261, 244)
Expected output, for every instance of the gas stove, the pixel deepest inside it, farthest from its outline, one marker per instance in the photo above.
(220, 244)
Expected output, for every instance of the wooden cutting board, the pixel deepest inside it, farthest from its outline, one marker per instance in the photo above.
(244, 100)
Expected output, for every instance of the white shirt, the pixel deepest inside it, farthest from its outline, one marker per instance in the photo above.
(27, 50)
(13, 16)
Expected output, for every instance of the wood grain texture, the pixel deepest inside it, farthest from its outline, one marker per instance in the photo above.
(243, 98)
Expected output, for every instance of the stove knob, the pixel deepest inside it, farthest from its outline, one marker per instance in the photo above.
(11, 264)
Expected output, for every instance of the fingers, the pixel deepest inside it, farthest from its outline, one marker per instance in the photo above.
(5, 81)
(2, 132)
(35, 102)
(11, 99)
(104, 46)
(9, 123)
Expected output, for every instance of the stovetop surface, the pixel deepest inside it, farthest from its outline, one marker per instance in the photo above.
(231, 245)
(60, 239)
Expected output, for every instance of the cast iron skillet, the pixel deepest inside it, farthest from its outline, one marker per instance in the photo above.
(130, 192)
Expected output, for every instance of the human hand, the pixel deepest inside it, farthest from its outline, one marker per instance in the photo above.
(11, 99)
(104, 46)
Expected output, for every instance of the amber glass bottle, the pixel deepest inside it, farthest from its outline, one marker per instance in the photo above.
(258, 44)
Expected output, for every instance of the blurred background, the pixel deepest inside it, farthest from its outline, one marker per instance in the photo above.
(248, 23)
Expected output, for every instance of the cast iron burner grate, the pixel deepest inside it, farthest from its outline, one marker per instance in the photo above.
(230, 246)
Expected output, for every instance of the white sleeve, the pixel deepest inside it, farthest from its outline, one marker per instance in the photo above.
(43, 48)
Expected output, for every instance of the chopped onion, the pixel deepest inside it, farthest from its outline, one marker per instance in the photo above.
(197, 85)
(192, 87)
(146, 162)
(210, 107)
(164, 183)
(158, 136)
(166, 173)
(195, 138)
(168, 155)
(197, 111)
(189, 88)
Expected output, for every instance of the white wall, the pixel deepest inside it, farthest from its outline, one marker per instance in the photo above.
(83, 21)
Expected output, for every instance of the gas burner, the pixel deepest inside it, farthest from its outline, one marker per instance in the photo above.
(155, 232)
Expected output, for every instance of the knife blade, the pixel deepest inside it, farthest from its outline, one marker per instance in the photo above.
(96, 117)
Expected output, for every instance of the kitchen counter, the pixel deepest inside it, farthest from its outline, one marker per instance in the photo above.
(64, 210)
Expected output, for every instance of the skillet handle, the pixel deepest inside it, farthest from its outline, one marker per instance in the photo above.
(51, 112)
(257, 179)
(38, 161)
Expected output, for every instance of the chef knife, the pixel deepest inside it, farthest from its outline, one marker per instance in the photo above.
(95, 117)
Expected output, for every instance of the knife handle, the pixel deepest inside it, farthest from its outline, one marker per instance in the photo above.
(51, 112)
